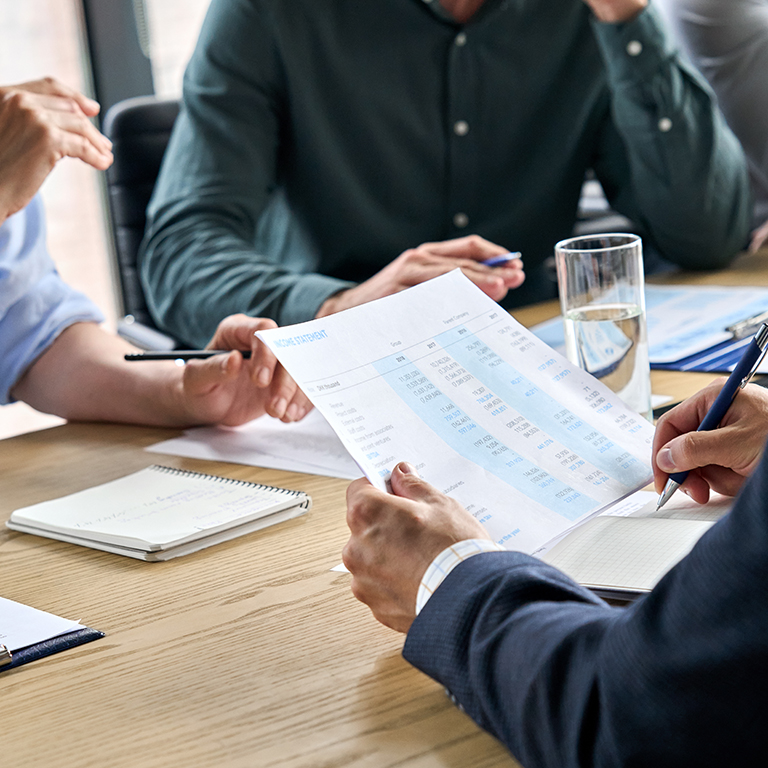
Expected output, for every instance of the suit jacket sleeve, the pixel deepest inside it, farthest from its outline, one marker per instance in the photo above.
(679, 678)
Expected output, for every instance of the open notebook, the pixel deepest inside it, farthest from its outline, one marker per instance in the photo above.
(623, 556)
(159, 513)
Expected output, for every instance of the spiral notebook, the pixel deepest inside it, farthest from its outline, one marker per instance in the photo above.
(159, 513)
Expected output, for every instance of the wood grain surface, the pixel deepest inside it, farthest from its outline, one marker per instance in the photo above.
(249, 653)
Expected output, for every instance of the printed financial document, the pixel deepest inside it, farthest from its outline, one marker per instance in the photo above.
(441, 376)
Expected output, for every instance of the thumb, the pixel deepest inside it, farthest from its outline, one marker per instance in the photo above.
(201, 376)
(407, 483)
(697, 449)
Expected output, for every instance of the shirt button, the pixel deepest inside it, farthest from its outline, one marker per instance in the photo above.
(461, 127)
(665, 124)
(460, 220)
(460, 39)
(634, 47)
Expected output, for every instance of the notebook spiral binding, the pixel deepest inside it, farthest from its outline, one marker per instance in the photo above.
(218, 479)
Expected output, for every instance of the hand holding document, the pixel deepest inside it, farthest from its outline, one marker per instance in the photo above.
(440, 376)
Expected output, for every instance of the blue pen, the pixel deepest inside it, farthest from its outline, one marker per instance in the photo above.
(738, 379)
(496, 261)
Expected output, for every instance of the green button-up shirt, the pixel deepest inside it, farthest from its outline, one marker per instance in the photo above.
(319, 139)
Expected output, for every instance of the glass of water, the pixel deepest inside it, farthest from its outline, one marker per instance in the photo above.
(600, 278)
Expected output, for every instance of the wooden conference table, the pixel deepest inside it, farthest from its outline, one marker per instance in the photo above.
(250, 653)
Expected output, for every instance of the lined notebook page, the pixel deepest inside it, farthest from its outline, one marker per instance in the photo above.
(625, 552)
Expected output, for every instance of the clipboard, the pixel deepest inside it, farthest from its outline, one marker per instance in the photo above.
(28, 634)
(16, 658)
(721, 357)
(722, 319)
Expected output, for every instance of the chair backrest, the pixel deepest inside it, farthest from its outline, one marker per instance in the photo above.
(139, 129)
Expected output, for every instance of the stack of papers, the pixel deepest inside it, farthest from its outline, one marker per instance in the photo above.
(309, 446)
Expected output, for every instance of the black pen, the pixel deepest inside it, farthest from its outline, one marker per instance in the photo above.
(183, 354)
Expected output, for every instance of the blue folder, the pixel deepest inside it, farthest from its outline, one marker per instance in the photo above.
(48, 647)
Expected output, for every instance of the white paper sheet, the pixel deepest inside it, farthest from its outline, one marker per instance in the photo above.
(21, 625)
(308, 446)
(441, 376)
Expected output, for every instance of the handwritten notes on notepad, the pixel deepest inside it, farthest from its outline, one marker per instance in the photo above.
(159, 513)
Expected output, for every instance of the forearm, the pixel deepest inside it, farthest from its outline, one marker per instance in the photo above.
(686, 182)
(676, 679)
(200, 266)
(220, 237)
(82, 376)
(516, 643)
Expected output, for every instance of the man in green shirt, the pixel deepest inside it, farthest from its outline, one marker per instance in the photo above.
(321, 141)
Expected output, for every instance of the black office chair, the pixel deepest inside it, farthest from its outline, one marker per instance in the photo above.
(139, 130)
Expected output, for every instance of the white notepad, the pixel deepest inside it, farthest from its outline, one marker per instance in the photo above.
(624, 557)
(159, 513)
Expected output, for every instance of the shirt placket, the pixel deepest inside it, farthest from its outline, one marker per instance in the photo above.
(462, 130)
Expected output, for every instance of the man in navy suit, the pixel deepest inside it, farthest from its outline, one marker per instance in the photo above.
(562, 678)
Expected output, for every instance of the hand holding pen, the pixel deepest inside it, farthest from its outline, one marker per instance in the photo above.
(489, 266)
(183, 355)
(714, 439)
(238, 374)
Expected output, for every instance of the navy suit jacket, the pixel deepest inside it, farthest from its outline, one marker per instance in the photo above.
(679, 678)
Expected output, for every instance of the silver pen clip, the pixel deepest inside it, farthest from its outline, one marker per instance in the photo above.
(748, 326)
(6, 657)
(761, 339)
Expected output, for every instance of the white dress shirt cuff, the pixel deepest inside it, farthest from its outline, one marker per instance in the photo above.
(446, 561)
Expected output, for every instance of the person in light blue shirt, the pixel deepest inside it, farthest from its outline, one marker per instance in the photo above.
(53, 354)
(36, 305)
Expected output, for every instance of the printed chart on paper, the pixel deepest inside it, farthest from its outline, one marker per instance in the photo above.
(441, 376)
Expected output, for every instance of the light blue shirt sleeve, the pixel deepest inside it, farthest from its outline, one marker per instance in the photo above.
(36, 305)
